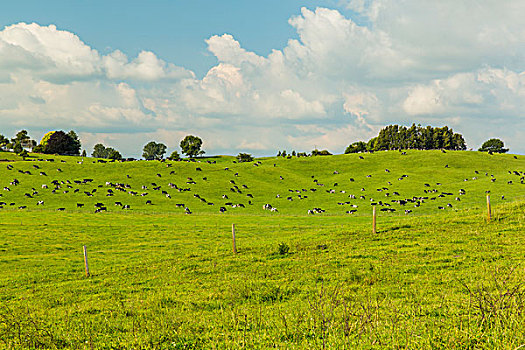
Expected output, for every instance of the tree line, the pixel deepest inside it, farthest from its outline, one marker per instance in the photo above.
(395, 137)
(391, 137)
(62, 143)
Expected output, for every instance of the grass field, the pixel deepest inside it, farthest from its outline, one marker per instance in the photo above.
(432, 279)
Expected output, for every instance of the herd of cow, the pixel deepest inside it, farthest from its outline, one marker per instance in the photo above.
(87, 187)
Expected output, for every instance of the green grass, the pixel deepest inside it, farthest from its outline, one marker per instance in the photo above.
(434, 279)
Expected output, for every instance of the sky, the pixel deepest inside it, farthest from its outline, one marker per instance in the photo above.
(258, 77)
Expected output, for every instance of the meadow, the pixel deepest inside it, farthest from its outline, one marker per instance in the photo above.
(160, 278)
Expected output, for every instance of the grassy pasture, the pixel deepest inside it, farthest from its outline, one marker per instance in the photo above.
(264, 183)
(434, 279)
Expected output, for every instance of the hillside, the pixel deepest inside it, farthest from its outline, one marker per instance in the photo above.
(160, 279)
(418, 182)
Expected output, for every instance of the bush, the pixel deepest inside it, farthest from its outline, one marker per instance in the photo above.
(283, 249)
(356, 147)
(174, 156)
(493, 145)
(244, 157)
(324, 152)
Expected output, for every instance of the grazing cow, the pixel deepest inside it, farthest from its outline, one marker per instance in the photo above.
(126, 206)
(61, 209)
(40, 203)
(148, 202)
(80, 205)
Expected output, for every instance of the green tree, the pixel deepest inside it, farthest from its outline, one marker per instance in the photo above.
(324, 152)
(493, 145)
(191, 146)
(23, 138)
(84, 154)
(75, 143)
(356, 147)
(154, 151)
(174, 156)
(99, 151)
(60, 143)
(244, 157)
(112, 153)
(18, 148)
(4, 141)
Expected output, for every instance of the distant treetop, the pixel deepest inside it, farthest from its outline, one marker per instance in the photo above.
(395, 137)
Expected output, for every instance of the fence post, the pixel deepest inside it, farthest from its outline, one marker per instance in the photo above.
(86, 261)
(374, 219)
(233, 238)
(488, 207)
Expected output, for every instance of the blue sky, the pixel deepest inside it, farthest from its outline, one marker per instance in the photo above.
(261, 76)
(174, 29)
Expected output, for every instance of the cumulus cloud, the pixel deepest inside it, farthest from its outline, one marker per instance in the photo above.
(339, 81)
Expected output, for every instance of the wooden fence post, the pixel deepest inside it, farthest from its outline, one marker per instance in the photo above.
(488, 207)
(374, 219)
(233, 238)
(86, 261)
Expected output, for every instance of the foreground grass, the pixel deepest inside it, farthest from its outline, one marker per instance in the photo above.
(169, 281)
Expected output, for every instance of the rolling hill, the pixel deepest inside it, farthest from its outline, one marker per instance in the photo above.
(418, 182)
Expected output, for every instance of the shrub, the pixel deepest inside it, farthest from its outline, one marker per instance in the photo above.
(244, 157)
(283, 249)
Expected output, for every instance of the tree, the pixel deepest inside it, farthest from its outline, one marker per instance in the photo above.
(23, 139)
(18, 148)
(244, 157)
(154, 151)
(112, 153)
(356, 147)
(494, 146)
(174, 156)
(191, 146)
(84, 154)
(324, 152)
(58, 142)
(75, 144)
(4, 141)
(100, 151)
